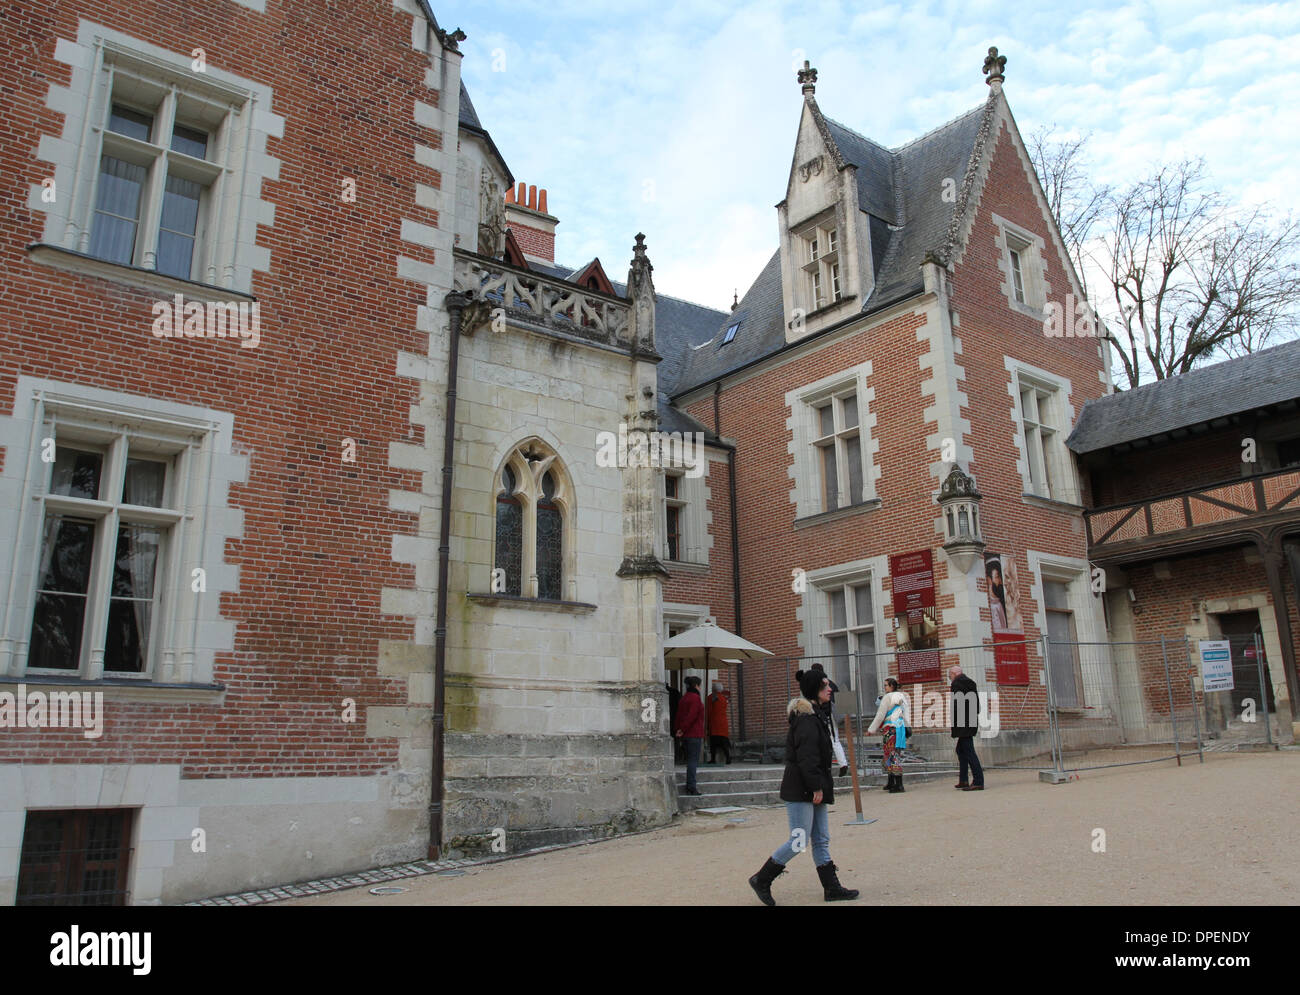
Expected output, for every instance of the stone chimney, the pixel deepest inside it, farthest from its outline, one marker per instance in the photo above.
(534, 228)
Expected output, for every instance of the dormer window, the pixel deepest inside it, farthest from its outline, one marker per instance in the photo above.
(822, 270)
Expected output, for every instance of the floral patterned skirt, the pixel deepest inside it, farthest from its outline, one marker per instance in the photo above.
(891, 762)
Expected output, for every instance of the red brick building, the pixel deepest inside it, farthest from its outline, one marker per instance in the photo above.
(898, 334)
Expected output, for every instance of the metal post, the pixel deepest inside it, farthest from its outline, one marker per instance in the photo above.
(1263, 688)
(1053, 730)
(1196, 714)
(1169, 686)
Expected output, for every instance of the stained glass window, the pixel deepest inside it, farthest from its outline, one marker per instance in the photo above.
(510, 536)
(550, 544)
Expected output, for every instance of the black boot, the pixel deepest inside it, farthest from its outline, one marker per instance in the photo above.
(898, 785)
(832, 890)
(762, 881)
(892, 785)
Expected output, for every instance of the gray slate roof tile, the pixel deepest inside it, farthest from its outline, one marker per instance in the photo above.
(902, 185)
(1271, 376)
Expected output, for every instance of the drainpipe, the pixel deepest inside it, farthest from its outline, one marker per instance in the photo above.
(456, 303)
(735, 552)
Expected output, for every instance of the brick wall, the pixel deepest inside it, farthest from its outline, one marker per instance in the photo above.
(754, 412)
(1174, 466)
(317, 534)
(534, 241)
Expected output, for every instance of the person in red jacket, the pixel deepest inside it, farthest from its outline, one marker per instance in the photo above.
(690, 729)
(719, 726)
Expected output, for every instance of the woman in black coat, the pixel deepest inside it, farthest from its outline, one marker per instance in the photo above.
(807, 790)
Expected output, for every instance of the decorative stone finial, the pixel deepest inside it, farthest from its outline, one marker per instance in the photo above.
(993, 66)
(452, 39)
(808, 79)
(641, 295)
(958, 484)
(735, 299)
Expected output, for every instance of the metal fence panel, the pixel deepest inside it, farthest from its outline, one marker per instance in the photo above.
(1086, 706)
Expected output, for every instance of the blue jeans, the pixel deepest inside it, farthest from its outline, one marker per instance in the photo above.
(693, 745)
(808, 823)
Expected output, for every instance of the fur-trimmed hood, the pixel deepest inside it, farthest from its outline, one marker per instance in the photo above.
(799, 706)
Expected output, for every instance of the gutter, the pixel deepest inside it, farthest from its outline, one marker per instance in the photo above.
(456, 303)
(735, 551)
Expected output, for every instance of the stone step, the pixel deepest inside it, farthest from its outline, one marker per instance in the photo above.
(760, 791)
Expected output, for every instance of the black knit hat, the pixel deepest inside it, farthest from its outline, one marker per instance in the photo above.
(810, 683)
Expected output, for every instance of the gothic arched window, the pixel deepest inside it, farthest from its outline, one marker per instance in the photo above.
(510, 536)
(550, 541)
(534, 521)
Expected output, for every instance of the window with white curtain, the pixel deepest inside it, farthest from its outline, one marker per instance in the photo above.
(157, 179)
(160, 165)
(850, 635)
(109, 514)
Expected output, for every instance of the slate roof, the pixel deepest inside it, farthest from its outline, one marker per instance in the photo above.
(1271, 376)
(467, 113)
(469, 121)
(902, 188)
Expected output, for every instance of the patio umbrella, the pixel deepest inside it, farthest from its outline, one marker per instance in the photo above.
(707, 645)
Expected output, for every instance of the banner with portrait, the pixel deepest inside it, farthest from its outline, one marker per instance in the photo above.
(1010, 653)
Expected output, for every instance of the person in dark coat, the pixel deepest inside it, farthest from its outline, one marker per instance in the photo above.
(807, 790)
(830, 709)
(690, 729)
(965, 727)
(674, 699)
(835, 688)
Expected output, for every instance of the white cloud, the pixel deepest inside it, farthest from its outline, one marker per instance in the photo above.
(701, 100)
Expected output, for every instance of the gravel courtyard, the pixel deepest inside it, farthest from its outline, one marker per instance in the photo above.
(1224, 832)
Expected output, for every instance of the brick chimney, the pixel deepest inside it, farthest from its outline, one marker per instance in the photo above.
(534, 228)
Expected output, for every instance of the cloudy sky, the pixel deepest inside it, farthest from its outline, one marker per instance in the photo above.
(678, 118)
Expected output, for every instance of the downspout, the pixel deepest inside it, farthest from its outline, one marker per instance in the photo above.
(735, 551)
(455, 303)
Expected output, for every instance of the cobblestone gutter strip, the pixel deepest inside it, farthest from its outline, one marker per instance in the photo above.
(385, 875)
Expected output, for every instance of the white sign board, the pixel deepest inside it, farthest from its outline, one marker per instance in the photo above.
(1216, 664)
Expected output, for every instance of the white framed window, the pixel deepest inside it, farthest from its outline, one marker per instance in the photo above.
(850, 634)
(831, 441)
(1079, 664)
(839, 619)
(1022, 255)
(1017, 275)
(1036, 422)
(839, 450)
(684, 518)
(109, 522)
(674, 517)
(821, 266)
(1042, 418)
(114, 573)
(160, 165)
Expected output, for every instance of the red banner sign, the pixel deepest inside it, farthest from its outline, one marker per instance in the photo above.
(916, 623)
